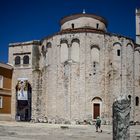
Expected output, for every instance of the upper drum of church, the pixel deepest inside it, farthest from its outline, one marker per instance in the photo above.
(89, 21)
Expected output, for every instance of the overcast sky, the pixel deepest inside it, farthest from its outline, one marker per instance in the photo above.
(25, 20)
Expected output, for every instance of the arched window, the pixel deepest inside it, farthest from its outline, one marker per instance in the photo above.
(17, 60)
(63, 41)
(137, 101)
(115, 55)
(129, 56)
(48, 53)
(1, 102)
(117, 49)
(44, 50)
(137, 64)
(129, 97)
(48, 45)
(1, 81)
(75, 50)
(95, 58)
(95, 53)
(64, 52)
(26, 59)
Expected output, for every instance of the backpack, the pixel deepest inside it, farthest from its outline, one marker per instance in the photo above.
(98, 122)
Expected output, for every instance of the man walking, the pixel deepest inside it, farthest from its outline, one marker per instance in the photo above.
(98, 124)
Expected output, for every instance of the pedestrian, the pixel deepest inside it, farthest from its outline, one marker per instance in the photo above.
(98, 124)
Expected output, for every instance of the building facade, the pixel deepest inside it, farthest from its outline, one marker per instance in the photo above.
(75, 74)
(5, 91)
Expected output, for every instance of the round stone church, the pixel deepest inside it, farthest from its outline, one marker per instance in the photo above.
(76, 74)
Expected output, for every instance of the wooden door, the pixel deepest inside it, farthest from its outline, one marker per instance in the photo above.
(96, 110)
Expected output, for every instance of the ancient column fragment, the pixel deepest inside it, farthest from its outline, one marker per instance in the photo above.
(121, 118)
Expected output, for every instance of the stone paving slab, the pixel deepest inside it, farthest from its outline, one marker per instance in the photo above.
(44, 131)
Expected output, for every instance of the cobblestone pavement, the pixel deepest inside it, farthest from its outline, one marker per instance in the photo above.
(44, 131)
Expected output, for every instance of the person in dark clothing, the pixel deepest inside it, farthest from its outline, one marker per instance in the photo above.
(98, 124)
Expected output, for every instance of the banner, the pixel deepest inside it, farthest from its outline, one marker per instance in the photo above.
(22, 90)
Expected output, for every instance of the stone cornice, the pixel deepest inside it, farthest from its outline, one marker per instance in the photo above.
(86, 30)
(34, 42)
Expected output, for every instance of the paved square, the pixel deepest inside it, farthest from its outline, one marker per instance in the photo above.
(44, 131)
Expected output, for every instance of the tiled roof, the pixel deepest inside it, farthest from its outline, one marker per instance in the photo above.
(6, 66)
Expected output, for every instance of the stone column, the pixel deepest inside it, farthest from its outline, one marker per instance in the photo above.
(121, 118)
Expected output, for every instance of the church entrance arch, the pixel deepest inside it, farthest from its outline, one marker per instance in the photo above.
(96, 107)
(23, 100)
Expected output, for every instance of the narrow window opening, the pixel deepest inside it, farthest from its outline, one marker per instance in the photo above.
(129, 96)
(94, 64)
(72, 25)
(66, 69)
(118, 52)
(95, 67)
(42, 48)
(1, 81)
(137, 101)
(97, 25)
(139, 27)
(1, 102)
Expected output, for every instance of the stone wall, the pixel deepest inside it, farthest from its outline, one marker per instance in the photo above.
(96, 68)
(71, 86)
(20, 71)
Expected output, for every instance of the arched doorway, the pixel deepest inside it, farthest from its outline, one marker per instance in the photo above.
(23, 100)
(96, 107)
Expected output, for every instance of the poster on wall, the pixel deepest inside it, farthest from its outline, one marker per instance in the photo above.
(22, 90)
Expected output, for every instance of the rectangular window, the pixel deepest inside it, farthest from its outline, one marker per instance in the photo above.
(1, 81)
(97, 25)
(1, 101)
(72, 25)
(118, 52)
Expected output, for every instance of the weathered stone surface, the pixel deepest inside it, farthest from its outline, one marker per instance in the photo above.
(121, 119)
(73, 71)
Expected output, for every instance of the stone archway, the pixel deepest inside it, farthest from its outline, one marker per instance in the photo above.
(96, 107)
(23, 100)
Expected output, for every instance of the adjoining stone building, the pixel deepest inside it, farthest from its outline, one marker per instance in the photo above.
(77, 73)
